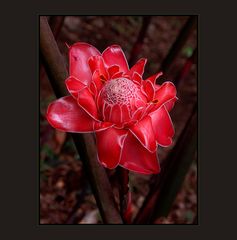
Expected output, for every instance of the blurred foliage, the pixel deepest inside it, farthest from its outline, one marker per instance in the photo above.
(188, 51)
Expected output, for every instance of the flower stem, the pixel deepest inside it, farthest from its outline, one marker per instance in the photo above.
(124, 194)
(186, 68)
(137, 47)
(56, 23)
(85, 145)
(177, 45)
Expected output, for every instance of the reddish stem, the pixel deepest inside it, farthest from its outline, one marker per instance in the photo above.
(177, 46)
(137, 47)
(124, 194)
(186, 68)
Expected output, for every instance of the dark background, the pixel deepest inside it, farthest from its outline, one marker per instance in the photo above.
(218, 166)
(62, 182)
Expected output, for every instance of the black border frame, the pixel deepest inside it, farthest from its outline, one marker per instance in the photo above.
(216, 119)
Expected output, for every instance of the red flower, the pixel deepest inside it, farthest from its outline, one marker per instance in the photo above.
(128, 114)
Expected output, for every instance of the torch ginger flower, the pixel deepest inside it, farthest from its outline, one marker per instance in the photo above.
(129, 115)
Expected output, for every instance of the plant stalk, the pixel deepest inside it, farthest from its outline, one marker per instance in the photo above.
(124, 194)
(137, 47)
(85, 145)
(186, 68)
(177, 46)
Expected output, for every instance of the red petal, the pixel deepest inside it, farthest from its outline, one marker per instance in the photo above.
(139, 103)
(106, 112)
(87, 102)
(114, 55)
(96, 78)
(74, 85)
(112, 70)
(137, 78)
(97, 63)
(148, 89)
(154, 77)
(143, 131)
(109, 144)
(126, 117)
(165, 93)
(116, 114)
(150, 108)
(162, 126)
(64, 114)
(99, 126)
(157, 86)
(117, 75)
(79, 54)
(170, 104)
(137, 158)
(138, 67)
(93, 89)
(138, 114)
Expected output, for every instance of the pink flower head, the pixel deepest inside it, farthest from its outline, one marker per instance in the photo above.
(129, 115)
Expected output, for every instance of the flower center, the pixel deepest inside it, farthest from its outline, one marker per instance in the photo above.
(120, 91)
